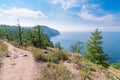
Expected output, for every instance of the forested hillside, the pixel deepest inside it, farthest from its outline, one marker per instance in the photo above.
(13, 30)
(38, 36)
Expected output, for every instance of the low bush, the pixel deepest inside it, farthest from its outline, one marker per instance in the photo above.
(15, 43)
(56, 72)
(3, 50)
(3, 47)
(85, 72)
(77, 58)
(38, 55)
(54, 56)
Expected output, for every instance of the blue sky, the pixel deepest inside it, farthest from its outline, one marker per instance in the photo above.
(64, 15)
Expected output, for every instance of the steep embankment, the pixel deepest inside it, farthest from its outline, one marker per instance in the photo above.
(18, 65)
(53, 64)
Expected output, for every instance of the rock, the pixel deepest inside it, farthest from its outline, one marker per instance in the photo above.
(25, 55)
(8, 55)
(86, 78)
(46, 51)
(21, 53)
(16, 56)
(13, 64)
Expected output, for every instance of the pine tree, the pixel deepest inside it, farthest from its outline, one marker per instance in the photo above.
(77, 47)
(40, 39)
(2, 33)
(58, 45)
(95, 51)
(20, 33)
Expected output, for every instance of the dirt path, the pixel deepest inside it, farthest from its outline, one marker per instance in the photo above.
(18, 65)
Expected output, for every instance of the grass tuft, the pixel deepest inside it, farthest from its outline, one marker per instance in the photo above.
(3, 50)
(52, 71)
(53, 56)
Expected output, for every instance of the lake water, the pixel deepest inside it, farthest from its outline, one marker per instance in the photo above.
(111, 42)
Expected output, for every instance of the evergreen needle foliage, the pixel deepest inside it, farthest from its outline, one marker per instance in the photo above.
(58, 45)
(95, 51)
(39, 39)
(77, 47)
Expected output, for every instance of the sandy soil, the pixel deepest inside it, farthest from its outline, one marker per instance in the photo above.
(18, 65)
(71, 67)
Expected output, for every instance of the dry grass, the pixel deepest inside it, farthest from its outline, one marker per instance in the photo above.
(3, 50)
(3, 47)
(53, 71)
(49, 56)
(115, 72)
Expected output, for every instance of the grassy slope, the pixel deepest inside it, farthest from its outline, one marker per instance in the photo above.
(115, 69)
(61, 65)
(72, 66)
(116, 65)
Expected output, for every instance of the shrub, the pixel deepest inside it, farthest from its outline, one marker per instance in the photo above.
(52, 71)
(77, 58)
(77, 47)
(58, 45)
(3, 50)
(15, 43)
(54, 56)
(40, 56)
(3, 47)
(62, 73)
(84, 72)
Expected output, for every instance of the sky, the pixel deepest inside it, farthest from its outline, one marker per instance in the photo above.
(63, 15)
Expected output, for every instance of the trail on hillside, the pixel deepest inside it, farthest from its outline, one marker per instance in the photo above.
(18, 65)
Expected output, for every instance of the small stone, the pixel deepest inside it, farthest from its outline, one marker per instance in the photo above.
(16, 56)
(8, 55)
(25, 55)
(86, 78)
(13, 64)
(21, 53)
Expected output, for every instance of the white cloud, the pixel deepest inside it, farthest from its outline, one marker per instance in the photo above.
(21, 12)
(89, 11)
(86, 27)
(69, 3)
(27, 17)
(91, 17)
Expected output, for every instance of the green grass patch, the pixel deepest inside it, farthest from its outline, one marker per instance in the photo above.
(3, 50)
(3, 47)
(53, 56)
(116, 65)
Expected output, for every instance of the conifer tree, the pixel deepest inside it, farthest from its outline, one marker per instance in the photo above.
(95, 51)
(77, 47)
(20, 33)
(58, 45)
(40, 39)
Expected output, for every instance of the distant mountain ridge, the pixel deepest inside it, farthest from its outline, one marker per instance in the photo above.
(47, 30)
(50, 31)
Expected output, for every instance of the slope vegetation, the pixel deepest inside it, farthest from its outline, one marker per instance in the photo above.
(51, 64)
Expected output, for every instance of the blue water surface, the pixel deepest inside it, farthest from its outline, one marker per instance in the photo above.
(111, 42)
